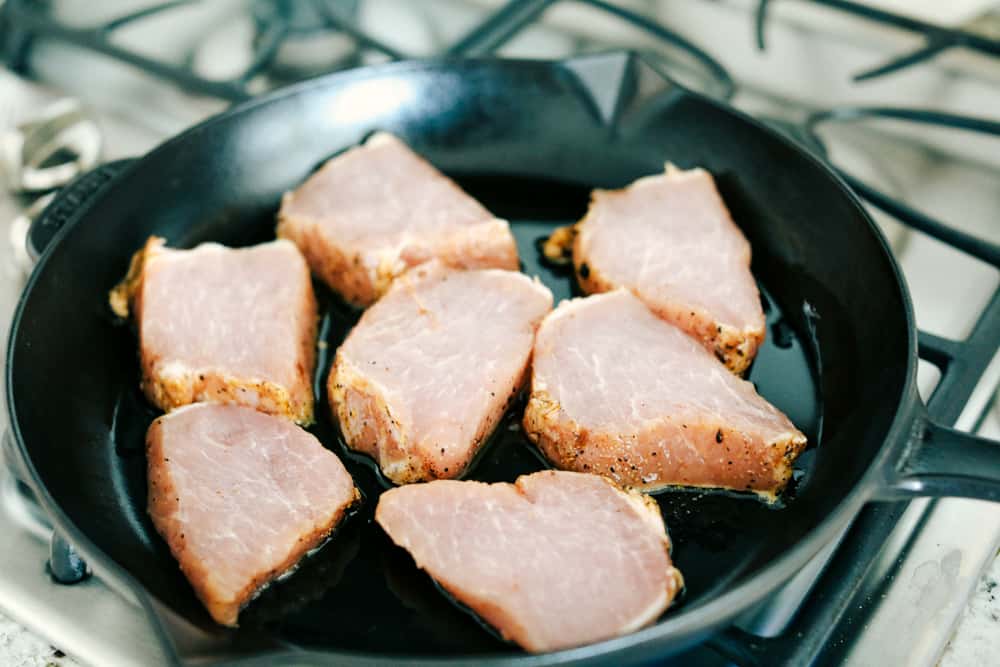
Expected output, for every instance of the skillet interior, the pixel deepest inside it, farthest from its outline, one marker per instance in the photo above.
(529, 140)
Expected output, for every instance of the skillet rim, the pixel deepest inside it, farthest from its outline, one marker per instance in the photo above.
(691, 624)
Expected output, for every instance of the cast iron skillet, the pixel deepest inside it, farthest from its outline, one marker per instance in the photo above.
(529, 139)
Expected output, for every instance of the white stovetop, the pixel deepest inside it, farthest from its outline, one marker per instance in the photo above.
(20, 647)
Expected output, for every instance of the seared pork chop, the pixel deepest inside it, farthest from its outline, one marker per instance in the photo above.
(225, 325)
(670, 240)
(618, 392)
(370, 213)
(240, 497)
(553, 561)
(426, 374)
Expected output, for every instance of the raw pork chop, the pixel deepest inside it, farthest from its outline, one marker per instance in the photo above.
(555, 560)
(618, 392)
(377, 209)
(226, 325)
(670, 240)
(426, 374)
(240, 497)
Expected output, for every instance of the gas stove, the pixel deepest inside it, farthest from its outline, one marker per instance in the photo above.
(827, 72)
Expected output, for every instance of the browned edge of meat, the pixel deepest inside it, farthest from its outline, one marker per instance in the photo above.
(736, 348)
(758, 467)
(558, 246)
(487, 245)
(163, 502)
(344, 274)
(215, 387)
(168, 393)
(121, 296)
(484, 246)
(369, 426)
(125, 299)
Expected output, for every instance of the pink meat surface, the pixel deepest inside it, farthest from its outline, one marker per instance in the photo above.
(226, 325)
(240, 497)
(425, 376)
(372, 212)
(618, 392)
(553, 561)
(671, 241)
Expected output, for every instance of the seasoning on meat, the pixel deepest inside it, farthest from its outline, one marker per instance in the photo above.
(618, 392)
(553, 561)
(372, 212)
(224, 325)
(557, 247)
(240, 496)
(427, 373)
(671, 241)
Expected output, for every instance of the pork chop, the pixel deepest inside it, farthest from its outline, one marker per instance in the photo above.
(553, 561)
(226, 325)
(240, 496)
(670, 240)
(372, 212)
(425, 376)
(618, 392)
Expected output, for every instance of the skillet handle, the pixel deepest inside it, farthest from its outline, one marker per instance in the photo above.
(69, 202)
(941, 461)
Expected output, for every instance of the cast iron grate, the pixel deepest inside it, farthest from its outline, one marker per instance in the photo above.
(23, 21)
(937, 39)
(276, 21)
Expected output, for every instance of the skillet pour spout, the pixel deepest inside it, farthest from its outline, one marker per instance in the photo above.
(529, 139)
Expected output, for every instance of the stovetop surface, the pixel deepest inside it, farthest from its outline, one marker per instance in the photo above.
(920, 579)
